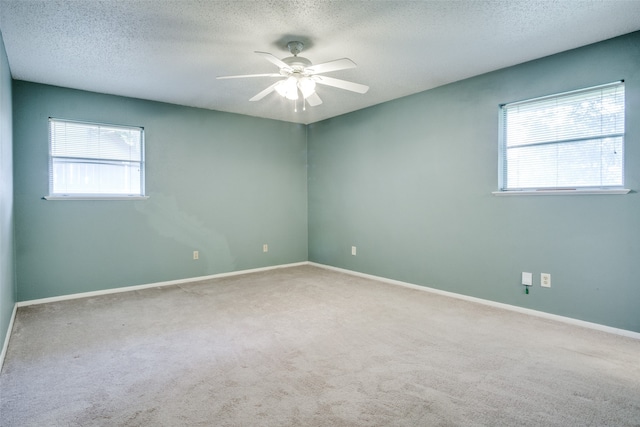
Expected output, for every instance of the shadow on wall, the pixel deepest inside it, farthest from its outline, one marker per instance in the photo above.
(169, 221)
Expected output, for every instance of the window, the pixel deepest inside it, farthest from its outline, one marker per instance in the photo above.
(568, 141)
(95, 160)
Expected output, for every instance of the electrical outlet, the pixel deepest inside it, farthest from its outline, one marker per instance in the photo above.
(196, 255)
(545, 280)
(265, 248)
(353, 250)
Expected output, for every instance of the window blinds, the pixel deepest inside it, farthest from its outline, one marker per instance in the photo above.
(94, 159)
(569, 140)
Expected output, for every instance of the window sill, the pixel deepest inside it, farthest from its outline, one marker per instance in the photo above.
(95, 197)
(569, 192)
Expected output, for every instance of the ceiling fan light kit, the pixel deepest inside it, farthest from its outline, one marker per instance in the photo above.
(300, 76)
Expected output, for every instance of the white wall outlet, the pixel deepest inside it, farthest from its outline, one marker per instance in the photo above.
(196, 255)
(353, 250)
(527, 279)
(265, 248)
(545, 280)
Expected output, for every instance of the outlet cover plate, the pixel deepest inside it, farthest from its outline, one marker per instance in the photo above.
(545, 280)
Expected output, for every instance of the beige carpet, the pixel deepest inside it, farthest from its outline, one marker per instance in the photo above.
(305, 346)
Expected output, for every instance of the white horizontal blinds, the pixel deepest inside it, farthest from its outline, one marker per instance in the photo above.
(95, 159)
(571, 140)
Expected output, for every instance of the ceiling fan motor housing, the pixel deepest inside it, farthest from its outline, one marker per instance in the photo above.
(297, 63)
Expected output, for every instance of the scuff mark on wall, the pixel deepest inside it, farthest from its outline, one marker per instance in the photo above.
(168, 220)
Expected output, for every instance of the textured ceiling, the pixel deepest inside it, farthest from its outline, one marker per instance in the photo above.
(172, 50)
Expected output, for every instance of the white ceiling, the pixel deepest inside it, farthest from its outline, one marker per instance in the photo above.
(172, 50)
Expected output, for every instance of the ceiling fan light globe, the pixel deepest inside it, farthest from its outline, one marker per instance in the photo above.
(290, 87)
(281, 88)
(307, 87)
(292, 95)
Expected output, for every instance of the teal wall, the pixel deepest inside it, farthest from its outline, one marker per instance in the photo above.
(219, 183)
(409, 183)
(7, 261)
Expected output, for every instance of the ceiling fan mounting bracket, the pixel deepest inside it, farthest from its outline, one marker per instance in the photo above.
(295, 47)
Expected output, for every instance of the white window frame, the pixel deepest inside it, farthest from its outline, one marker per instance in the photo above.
(574, 188)
(96, 158)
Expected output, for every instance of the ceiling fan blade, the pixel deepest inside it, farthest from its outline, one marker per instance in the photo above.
(342, 84)
(325, 67)
(265, 92)
(274, 60)
(242, 76)
(313, 99)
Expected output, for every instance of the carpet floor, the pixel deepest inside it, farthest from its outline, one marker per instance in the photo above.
(305, 346)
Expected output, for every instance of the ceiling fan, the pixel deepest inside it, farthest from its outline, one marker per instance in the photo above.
(299, 76)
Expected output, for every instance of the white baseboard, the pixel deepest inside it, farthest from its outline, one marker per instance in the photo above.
(5, 346)
(563, 319)
(154, 285)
